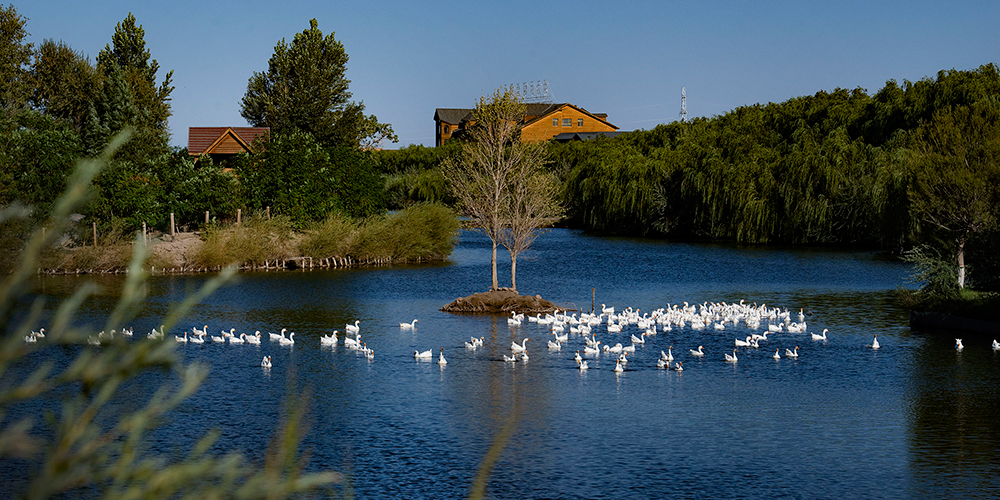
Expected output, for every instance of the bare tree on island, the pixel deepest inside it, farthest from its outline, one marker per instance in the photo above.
(532, 206)
(496, 177)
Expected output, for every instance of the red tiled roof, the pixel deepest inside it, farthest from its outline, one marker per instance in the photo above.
(202, 138)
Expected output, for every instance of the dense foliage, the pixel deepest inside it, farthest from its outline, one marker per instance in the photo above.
(304, 89)
(58, 106)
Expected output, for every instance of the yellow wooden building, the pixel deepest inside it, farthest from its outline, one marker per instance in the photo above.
(542, 122)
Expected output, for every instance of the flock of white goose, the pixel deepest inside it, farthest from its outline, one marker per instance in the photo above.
(715, 316)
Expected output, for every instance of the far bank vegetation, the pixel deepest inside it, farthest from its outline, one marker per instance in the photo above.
(421, 232)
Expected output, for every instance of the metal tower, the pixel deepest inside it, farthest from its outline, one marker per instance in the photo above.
(684, 104)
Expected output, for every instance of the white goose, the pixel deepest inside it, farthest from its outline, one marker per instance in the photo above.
(253, 339)
(996, 345)
(328, 339)
(266, 362)
(510, 359)
(820, 337)
(592, 350)
(276, 336)
(582, 364)
(182, 339)
(698, 353)
(238, 340)
(513, 320)
(155, 334)
(197, 339)
(731, 358)
(679, 367)
(618, 367)
(792, 354)
(441, 360)
(554, 346)
(355, 328)
(662, 363)
(220, 339)
(958, 344)
(200, 332)
(423, 355)
(875, 344)
(776, 355)
(640, 339)
(352, 343)
(408, 326)
(578, 358)
(283, 341)
(515, 347)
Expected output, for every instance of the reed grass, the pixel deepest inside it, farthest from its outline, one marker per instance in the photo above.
(252, 242)
(423, 231)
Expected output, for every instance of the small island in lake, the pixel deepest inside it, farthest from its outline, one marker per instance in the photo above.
(500, 301)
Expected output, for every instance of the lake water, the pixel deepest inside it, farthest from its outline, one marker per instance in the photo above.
(915, 419)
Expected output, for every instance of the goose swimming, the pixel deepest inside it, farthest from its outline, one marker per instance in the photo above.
(875, 344)
(441, 360)
(792, 354)
(698, 353)
(408, 326)
(731, 358)
(820, 337)
(423, 355)
(266, 362)
(958, 344)
(776, 355)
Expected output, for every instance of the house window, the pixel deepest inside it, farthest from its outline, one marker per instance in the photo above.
(444, 129)
(555, 122)
(567, 122)
(579, 122)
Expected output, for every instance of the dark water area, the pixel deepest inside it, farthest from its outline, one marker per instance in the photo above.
(914, 419)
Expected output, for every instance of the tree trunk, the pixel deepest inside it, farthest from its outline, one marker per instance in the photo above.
(513, 271)
(493, 263)
(961, 262)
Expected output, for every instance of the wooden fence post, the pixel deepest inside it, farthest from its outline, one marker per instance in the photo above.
(206, 217)
(95, 234)
(268, 212)
(172, 224)
(239, 215)
(145, 241)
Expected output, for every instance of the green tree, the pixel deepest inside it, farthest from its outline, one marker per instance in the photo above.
(15, 56)
(66, 84)
(127, 51)
(955, 187)
(305, 88)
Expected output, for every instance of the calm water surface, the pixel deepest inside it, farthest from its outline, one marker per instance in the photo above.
(915, 419)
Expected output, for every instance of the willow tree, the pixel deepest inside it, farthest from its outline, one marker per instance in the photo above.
(489, 177)
(956, 173)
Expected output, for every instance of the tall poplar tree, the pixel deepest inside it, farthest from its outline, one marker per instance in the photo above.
(305, 89)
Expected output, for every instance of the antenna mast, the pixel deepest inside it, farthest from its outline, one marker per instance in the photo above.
(684, 104)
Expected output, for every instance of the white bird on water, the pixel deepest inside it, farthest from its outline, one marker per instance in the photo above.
(583, 365)
(698, 353)
(266, 362)
(820, 337)
(423, 355)
(996, 345)
(958, 344)
(408, 326)
(792, 354)
(515, 347)
(283, 341)
(776, 354)
(875, 344)
(441, 360)
(731, 358)
(355, 328)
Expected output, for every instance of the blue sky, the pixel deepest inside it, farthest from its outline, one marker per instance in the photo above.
(626, 59)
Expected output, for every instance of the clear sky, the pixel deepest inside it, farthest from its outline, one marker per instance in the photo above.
(626, 59)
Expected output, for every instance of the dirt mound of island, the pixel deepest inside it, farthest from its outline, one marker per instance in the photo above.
(502, 301)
